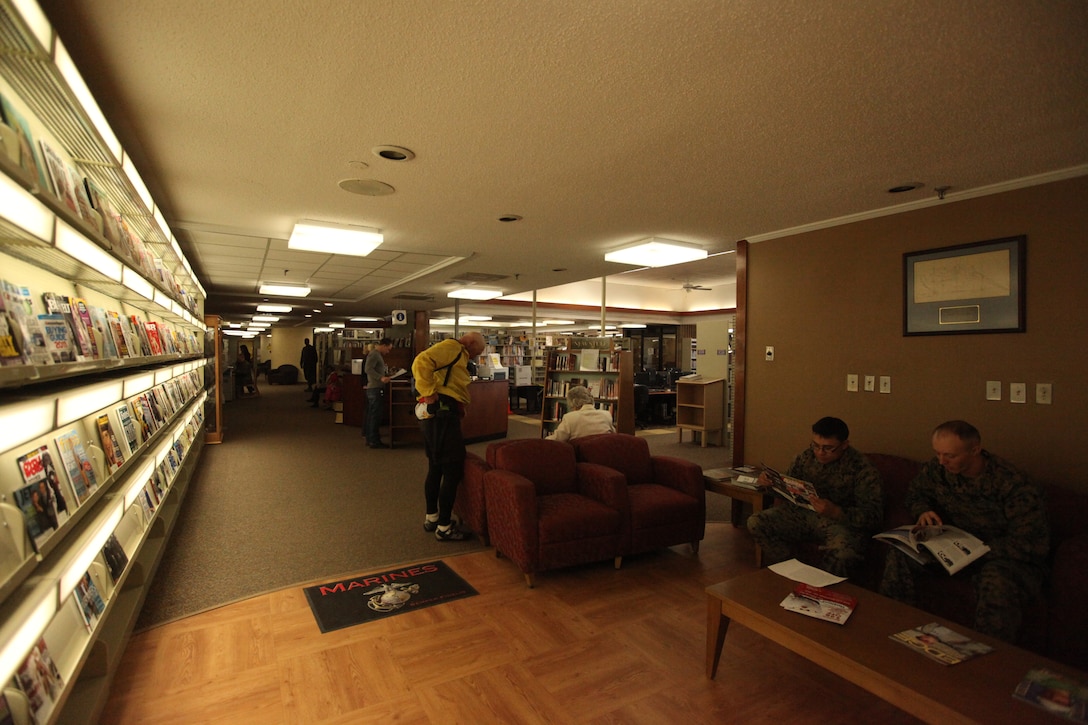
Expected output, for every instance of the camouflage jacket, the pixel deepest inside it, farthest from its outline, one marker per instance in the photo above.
(850, 482)
(1001, 506)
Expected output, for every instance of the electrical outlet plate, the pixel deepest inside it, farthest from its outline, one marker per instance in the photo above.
(885, 383)
(1018, 393)
(993, 390)
(870, 383)
(1043, 393)
(851, 383)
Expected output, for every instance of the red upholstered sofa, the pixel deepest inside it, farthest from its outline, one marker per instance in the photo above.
(666, 495)
(1055, 625)
(546, 510)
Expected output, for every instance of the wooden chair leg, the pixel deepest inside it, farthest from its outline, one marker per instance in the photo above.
(529, 580)
(619, 561)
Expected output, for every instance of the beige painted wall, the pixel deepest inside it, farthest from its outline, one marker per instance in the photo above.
(287, 345)
(831, 303)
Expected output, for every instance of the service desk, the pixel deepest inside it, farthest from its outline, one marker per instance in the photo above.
(487, 415)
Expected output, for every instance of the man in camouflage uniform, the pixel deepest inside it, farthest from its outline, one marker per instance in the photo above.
(968, 487)
(849, 505)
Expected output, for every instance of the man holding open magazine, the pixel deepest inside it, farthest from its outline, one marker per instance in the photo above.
(970, 488)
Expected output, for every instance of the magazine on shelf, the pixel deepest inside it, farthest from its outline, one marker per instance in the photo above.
(61, 185)
(58, 338)
(792, 489)
(1054, 692)
(820, 603)
(116, 558)
(127, 428)
(40, 680)
(28, 152)
(110, 447)
(952, 547)
(941, 644)
(89, 600)
(56, 304)
(25, 329)
(77, 465)
(38, 470)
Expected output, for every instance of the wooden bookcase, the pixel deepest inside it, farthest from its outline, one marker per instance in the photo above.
(610, 376)
(51, 247)
(403, 424)
(700, 408)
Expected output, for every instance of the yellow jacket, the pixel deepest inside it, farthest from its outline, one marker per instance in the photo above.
(430, 368)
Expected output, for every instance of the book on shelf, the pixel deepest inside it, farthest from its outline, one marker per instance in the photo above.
(792, 489)
(952, 547)
(820, 603)
(77, 465)
(89, 599)
(941, 644)
(40, 680)
(115, 457)
(1054, 692)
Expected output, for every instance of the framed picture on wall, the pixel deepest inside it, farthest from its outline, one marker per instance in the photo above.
(968, 288)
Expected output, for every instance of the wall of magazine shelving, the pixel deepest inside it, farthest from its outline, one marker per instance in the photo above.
(102, 383)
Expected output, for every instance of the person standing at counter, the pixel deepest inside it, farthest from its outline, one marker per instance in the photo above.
(442, 379)
(377, 375)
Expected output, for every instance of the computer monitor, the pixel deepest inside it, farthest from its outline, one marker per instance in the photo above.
(643, 377)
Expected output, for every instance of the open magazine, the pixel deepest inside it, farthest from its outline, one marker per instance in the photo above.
(820, 603)
(953, 548)
(941, 644)
(792, 489)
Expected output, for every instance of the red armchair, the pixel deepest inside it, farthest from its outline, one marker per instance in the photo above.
(666, 495)
(469, 506)
(545, 510)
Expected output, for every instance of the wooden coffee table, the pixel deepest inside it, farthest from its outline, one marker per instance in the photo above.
(740, 495)
(978, 690)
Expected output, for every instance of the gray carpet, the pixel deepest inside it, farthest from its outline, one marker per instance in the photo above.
(290, 497)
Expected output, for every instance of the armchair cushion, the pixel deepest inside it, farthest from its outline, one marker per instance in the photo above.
(470, 505)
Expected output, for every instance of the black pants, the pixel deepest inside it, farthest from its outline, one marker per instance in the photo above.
(445, 463)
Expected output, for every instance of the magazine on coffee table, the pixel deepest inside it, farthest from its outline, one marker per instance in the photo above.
(953, 548)
(941, 644)
(820, 603)
(1055, 693)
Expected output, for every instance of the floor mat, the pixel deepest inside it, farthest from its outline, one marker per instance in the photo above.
(376, 596)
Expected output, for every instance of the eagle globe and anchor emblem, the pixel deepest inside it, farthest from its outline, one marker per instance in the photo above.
(391, 596)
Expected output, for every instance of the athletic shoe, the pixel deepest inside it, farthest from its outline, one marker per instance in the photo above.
(453, 534)
(429, 526)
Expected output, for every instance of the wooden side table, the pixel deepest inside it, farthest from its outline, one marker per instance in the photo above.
(739, 496)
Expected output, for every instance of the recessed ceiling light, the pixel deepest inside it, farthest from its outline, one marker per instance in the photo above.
(475, 293)
(330, 238)
(328, 304)
(273, 308)
(394, 153)
(285, 289)
(366, 187)
(656, 252)
(909, 186)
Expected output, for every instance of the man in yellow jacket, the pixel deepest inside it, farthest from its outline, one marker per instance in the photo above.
(442, 378)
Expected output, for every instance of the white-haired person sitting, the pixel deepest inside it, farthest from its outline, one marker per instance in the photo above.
(581, 418)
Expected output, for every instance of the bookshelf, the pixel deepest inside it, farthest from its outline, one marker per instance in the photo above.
(152, 374)
(700, 408)
(607, 372)
(403, 424)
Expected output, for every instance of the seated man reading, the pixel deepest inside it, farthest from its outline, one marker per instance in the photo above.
(847, 510)
(970, 488)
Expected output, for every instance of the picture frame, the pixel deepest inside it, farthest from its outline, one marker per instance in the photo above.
(969, 288)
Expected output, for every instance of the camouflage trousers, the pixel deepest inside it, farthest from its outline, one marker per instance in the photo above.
(777, 530)
(1002, 590)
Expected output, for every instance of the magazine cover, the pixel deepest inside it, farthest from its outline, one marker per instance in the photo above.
(792, 489)
(128, 427)
(107, 345)
(38, 471)
(110, 447)
(61, 184)
(1055, 693)
(81, 312)
(28, 153)
(951, 547)
(58, 338)
(57, 304)
(27, 332)
(77, 465)
(40, 681)
(116, 558)
(941, 644)
(90, 601)
(820, 603)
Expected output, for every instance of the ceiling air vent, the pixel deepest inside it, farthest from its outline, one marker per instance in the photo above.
(414, 296)
(472, 277)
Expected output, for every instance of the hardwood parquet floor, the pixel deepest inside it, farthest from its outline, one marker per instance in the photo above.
(587, 645)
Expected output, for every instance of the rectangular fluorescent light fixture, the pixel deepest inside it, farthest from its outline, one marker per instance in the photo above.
(76, 246)
(474, 293)
(656, 252)
(324, 329)
(265, 318)
(285, 289)
(311, 236)
(364, 319)
(93, 546)
(282, 309)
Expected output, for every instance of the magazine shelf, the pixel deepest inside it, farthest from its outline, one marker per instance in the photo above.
(609, 377)
(108, 439)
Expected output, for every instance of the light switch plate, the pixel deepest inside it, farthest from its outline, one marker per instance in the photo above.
(993, 390)
(870, 383)
(1043, 394)
(885, 383)
(851, 383)
(1018, 393)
